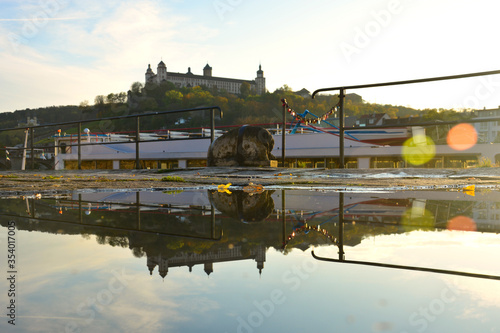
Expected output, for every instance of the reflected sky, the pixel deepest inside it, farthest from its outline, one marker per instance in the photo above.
(202, 261)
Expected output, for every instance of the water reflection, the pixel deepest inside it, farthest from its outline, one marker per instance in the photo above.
(246, 206)
(188, 228)
(459, 222)
(213, 261)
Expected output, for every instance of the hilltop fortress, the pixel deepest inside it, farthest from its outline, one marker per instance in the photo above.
(258, 86)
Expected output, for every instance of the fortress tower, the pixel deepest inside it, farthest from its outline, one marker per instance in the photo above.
(260, 82)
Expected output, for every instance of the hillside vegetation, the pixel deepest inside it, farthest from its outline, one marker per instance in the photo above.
(245, 108)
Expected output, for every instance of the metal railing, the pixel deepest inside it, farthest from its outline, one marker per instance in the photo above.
(30, 130)
(342, 94)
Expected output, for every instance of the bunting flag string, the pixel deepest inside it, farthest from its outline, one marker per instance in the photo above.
(305, 229)
(301, 117)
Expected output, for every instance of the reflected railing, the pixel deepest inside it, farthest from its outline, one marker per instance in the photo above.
(82, 209)
(342, 259)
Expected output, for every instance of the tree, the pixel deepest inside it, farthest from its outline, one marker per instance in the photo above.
(112, 98)
(245, 89)
(148, 104)
(173, 97)
(285, 88)
(136, 88)
(99, 100)
(122, 97)
(198, 97)
(83, 105)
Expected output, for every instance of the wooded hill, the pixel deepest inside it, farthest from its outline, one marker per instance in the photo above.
(245, 108)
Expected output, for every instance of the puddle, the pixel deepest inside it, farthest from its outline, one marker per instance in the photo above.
(235, 259)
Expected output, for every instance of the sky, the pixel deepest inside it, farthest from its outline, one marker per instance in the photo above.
(64, 52)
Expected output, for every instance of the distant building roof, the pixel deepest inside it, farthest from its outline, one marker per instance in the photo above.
(303, 92)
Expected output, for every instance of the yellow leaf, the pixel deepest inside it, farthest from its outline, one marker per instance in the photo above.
(224, 188)
(470, 190)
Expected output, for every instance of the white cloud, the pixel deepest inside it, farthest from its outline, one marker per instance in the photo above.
(109, 44)
(84, 58)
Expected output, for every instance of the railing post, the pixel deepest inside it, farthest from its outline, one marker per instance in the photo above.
(283, 217)
(212, 216)
(341, 226)
(137, 139)
(341, 128)
(32, 144)
(25, 147)
(80, 208)
(212, 125)
(283, 139)
(138, 208)
(79, 146)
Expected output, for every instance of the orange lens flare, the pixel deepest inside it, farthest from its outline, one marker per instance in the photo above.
(462, 223)
(462, 137)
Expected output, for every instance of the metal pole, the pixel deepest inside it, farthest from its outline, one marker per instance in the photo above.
(33, 210)
(32, 144)
(394, 83)
(79, 146)
(138, 208)
(341, 128)
(137, 139)
(283, 140)
(212, 215)
(283, 217)
(23, 162)
(212, 125)
(80, 208)
(341, 226)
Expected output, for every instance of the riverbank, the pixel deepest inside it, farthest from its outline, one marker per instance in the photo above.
(53, 182)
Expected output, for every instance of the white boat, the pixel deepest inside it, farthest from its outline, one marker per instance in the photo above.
(310, 148)
(181, 147)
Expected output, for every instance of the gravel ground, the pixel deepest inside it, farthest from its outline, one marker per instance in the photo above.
(51, 182)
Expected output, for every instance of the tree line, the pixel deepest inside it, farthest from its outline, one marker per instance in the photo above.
(238, 109)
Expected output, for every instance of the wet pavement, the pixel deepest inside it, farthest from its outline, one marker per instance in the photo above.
(50, 182)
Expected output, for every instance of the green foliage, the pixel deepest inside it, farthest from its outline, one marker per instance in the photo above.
(245, 89)
(245, 108)
(484, 162)
(173, 179)
(136, 88)
(173, 97)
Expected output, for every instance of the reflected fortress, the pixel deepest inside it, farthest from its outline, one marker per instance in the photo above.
(233, 253)
(188, 228)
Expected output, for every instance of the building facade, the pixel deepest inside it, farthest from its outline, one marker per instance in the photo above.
(233, 86)
(487, 131)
